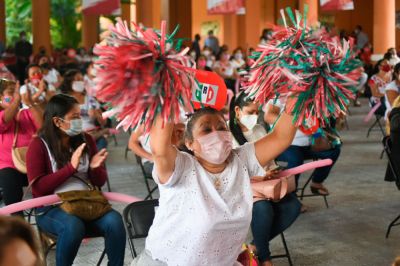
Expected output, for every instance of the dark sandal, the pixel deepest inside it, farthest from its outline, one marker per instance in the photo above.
(319, 191)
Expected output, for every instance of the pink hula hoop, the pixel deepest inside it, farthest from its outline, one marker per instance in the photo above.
(52, 199)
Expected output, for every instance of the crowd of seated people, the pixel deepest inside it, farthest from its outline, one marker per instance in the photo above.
(63, 126)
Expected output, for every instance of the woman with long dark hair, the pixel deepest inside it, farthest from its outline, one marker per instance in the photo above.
(60, 159)
(91, 114)
(269, 218)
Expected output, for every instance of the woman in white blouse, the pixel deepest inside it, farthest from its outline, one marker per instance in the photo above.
(205, 204)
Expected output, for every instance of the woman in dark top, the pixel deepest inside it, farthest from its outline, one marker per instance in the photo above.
(60, 152)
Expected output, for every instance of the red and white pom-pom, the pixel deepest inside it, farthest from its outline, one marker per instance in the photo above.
(141, 76)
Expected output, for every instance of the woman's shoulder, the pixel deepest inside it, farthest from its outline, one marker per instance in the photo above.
(37, 143)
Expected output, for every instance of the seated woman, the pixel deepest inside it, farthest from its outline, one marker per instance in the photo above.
(206, 195)
(300, 150)
(380, 78)
(28, 121)
(60, 152)
(38, 87)
(226, 69)
(269, 218)
(91, 113)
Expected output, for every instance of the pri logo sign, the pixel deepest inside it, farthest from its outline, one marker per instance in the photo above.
(210, 92)
(206, 94)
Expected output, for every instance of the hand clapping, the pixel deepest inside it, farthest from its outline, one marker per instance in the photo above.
(98, 159)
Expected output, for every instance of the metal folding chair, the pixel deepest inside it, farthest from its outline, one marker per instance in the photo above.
(387, 148)
(138, 218)
(303, 195)
(147, 179)
(286, 255)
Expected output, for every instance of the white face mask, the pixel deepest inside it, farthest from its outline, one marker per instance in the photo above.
(78, 86)
(238, 56)
(249, 121)
(206, 53)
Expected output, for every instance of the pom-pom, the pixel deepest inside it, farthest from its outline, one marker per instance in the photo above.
(319, 70)
(140, 75)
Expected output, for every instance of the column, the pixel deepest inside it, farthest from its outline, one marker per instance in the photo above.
(180, 13)
(312, 15)
(126, 12)
(148, 12)
(268, 9)
(41, 24)
(231, 31)
(253, 23)
(384, 26)
(3, 22)
(90, 30)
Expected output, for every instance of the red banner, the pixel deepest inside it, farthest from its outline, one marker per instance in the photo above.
(215, 7)
(332, 5)
(101, 7)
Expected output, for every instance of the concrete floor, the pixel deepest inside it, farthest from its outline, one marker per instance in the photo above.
(351, 232)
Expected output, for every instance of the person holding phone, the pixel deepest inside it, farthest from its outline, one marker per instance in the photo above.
(269, 218)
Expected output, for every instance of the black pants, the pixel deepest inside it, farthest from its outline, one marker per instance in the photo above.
(12, 182)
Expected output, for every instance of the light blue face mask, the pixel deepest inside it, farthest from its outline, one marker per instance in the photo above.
(75, 127)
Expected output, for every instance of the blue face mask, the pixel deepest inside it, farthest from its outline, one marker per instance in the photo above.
(75, 127)
(8, 99)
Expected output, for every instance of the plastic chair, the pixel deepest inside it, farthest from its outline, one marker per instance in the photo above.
(286, 255)
(387, 148)
(138, 218)
(147, 178)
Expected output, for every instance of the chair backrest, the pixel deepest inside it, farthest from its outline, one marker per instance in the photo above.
(138, 218)
(140, 163)
(387, 146)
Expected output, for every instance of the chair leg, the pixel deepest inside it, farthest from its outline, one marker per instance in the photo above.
(326, 202)
(305, 186)
(381, 128)
(286, 249)
(132, 248)
(393, 223)
(101, 257)
(126, 152)
(115, 140)
(108, 185)
(372, 127)
(381, 157)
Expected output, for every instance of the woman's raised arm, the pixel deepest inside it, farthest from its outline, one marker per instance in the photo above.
(273, 144)
(164, 153)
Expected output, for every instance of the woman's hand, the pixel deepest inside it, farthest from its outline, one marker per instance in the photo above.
(98, 159)
(17, 95)
(42, 86)
(76, 156)
(271, 174)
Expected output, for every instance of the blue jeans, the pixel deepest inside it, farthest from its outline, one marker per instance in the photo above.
(70, 230)
(270, 219)
(295, 156)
